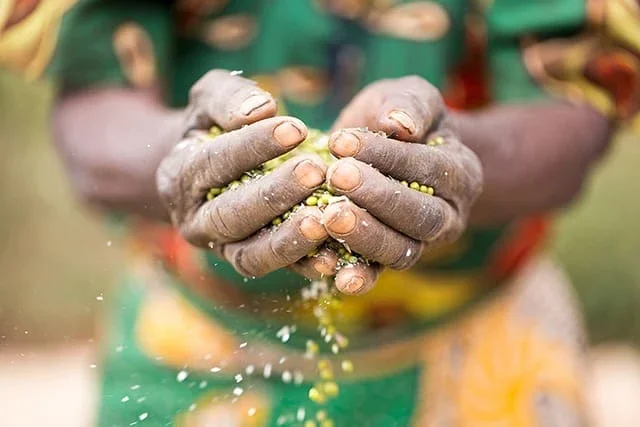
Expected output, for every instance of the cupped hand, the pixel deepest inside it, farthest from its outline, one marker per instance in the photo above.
(409, 180)
(233, 222)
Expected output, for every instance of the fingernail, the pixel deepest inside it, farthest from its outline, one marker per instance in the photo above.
(339, 219)
(345, 176)
(324, 265)
(312, 229)
(309, 174)
(252, 103)
(288, 134)
(344, 144)
(354, 285)
(404, 120)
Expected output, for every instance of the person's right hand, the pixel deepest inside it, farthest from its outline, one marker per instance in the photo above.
(233, 223)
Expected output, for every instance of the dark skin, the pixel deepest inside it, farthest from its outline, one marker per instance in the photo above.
(526, 168)
(112, 141)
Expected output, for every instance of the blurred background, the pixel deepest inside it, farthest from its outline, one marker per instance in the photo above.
(57, 263)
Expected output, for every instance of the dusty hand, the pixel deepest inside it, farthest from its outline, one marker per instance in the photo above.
(232, 224)
(387, 221)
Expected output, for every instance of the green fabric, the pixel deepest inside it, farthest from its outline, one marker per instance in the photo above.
(390, 57)
(133, 384)
(281, 21)
(513, 19)
(297, 33)
(290, 33)
(85, 54)
(278, 281)
(135, 387)
(509, 79)
(508, 22)
(480, 243)
(243, 321)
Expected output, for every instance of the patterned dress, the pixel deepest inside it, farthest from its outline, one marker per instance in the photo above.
(483, 332)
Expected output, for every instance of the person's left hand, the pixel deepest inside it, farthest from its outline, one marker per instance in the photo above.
(393, 131)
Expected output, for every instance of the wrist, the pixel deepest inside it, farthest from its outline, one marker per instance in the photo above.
(490, 142)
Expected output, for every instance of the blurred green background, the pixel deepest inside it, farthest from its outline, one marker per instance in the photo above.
(56, 260)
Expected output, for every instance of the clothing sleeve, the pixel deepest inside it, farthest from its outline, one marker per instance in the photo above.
(28, 33)
(583, 51)
(508, 25)
(84, 43)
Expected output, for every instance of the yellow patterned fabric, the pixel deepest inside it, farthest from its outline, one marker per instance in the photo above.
(514, 361)
(28, 34)
(599, 66)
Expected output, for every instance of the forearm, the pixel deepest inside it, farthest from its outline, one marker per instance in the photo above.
(535, 157)
(112, 141)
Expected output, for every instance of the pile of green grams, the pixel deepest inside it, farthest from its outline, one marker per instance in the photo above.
(315, 143)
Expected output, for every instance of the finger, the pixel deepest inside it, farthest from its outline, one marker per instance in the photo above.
(357, 279)
(316, 266)
(411, 107)
(418, 215)
(407, 109)
(270, 250)
(370, 238)
(227, 100)
(449, 167)
(240, 212)
(360, 111)
(200, 163)
(242, 150)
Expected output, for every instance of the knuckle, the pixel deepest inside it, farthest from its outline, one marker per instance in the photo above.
(368, 137)
(313, 157)
(192, 233)
(189, 234)
(418, 83)
(205, 227)
(384, 251)
(476, 186)
(412, 79)
(166, 181)
(194, 116)
(307, 211)
(242, 265)
(209, 87)
(217, 168)
(168, 188)
(282, 249)
(200, 86)
(377, 86)
(473, 166)
(219, 223)
(467, 181)
(175, 174)
(454, 231)
(443, 172)
(392, 199)
(433, 222)
(271, 198)
(279, 192)
(408, 257)
(246, 268)
(210, 78)
(242, 88)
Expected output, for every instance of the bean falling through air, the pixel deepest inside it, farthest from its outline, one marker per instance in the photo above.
(323, 301)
